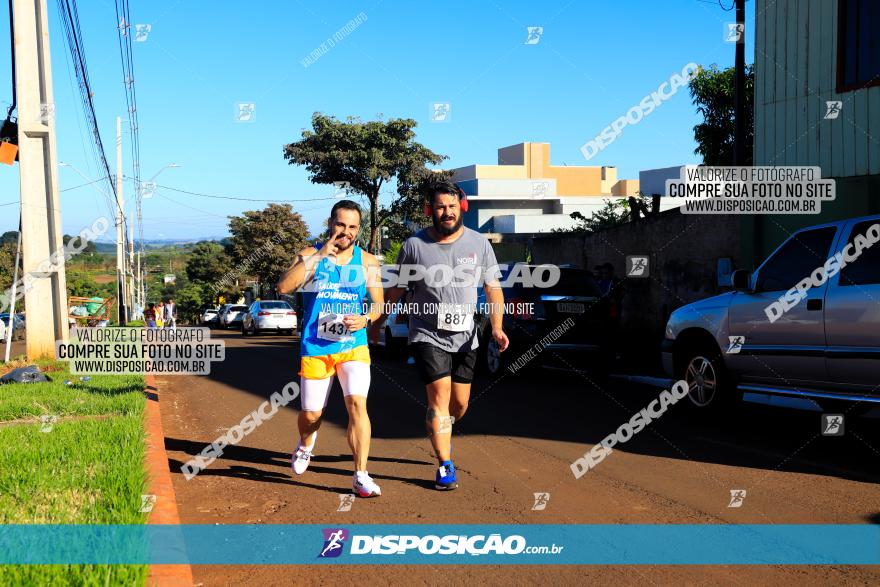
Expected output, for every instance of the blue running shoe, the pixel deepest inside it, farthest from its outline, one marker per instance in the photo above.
(446, 479)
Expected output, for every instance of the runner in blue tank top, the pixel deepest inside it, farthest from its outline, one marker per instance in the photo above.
(336, 278)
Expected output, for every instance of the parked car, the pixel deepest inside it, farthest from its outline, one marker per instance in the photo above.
(209, 317)
(395, 332)
(274, 315)
(18, 327)
(826, 347)
(584, 344)
(232, 315)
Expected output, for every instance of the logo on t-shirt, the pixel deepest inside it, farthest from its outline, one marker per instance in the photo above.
(469, 260)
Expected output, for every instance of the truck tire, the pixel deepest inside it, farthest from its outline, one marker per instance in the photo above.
(712, 391)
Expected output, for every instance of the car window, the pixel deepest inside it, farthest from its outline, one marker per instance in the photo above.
(572, 282)
(866, 269)
(274, 305)
(575, 282)
(796, 259)
(238, 308)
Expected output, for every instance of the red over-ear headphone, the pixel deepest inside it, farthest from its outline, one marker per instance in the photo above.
(462, 199)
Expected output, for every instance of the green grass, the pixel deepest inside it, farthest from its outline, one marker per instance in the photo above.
(88, 469)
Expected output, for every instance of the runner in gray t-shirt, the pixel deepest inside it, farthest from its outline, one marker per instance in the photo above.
(442, 333)
(472, 256)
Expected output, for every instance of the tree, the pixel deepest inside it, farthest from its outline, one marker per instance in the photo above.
(190, 299)
(7, 263)
(207, 263)
(392, 252)
(406, 214)
(80, 283)
(10, 236)
(615, 212)
(89, 248)
(367, 155)
(712, 92)
(265, 242)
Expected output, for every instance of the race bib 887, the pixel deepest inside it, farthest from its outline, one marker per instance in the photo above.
(455, 318)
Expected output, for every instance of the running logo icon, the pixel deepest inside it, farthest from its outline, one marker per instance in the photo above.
(541, 500)
(147, 503)
(342, 188)
(142, 31)
(334, 540)
(637, 266)
(441, 112)
(346, 500)
(534, 35)
(245, 112)
(735, 32)
(47, 422)
(737, 497)
(736, 344)
(832, 424)
(832, 109)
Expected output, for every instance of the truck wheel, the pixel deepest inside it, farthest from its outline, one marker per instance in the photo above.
(711, 388)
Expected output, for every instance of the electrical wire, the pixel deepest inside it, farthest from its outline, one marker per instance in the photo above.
(82, 185)
(69, 17)
(126, 55)
(242, 198)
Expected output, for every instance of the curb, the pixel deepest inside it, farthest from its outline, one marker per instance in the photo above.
(159, 474)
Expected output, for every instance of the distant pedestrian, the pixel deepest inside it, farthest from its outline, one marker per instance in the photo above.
(170, 314)
(150, 315)
(610, 285)
(160, 315)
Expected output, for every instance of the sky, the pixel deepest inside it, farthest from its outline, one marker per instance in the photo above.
(592, 62)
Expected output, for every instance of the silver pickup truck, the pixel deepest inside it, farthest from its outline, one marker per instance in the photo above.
(805, 324)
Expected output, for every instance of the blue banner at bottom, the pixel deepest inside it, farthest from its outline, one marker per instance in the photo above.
(442, 544)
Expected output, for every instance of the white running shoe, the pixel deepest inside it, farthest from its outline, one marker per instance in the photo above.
(302, 456)
(364, 486)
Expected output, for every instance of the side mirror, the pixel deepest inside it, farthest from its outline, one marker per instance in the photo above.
(741, 280)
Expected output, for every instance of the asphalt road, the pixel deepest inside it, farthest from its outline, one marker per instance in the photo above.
(519, 437)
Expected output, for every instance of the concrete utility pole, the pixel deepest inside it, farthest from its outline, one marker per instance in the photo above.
(739, 140)
(45, 300)
(121, 302)
(132, 276)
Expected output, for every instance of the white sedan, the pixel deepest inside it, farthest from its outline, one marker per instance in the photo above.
(269, 315)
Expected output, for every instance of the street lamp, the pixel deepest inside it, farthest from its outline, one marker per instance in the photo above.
(92, 182)
(146, 188)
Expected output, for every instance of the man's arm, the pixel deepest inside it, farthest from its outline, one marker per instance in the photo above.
(495, 297)
(301, 272)
(395, 292)
(374, 288)
(303, 269)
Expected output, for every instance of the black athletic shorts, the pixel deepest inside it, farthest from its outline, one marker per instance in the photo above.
(435, 363)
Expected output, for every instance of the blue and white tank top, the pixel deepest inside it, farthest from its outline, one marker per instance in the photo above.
(335, 292)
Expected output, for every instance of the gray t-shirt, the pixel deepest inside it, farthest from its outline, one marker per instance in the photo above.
(472, 259)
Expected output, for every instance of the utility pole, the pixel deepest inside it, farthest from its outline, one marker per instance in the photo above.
(45, 299)
(132, 277)
(122, 316)
(739, 139)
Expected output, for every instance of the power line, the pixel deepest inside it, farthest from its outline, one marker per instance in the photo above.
(82, 185)
(241, 198)
(123, 18)
(69, 17)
